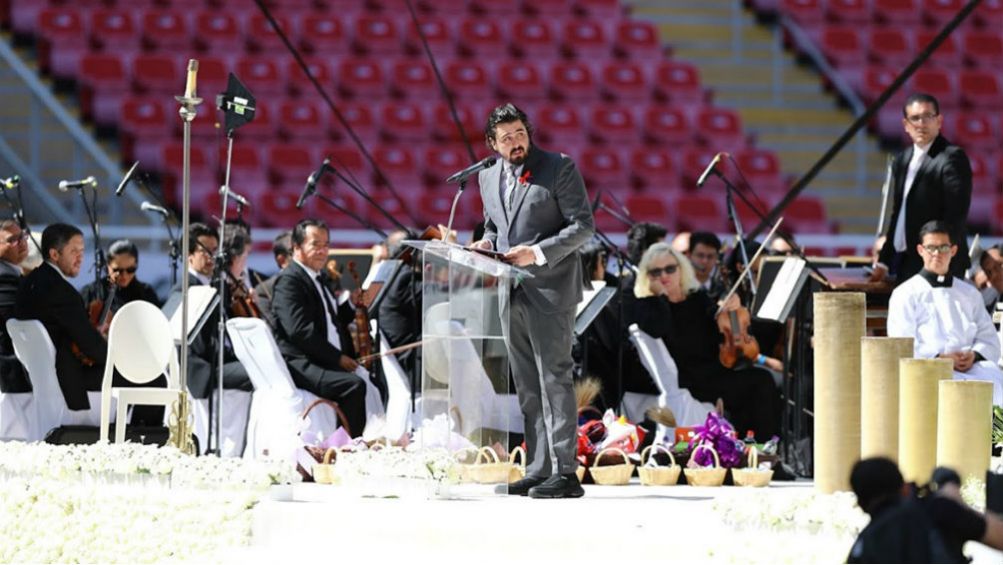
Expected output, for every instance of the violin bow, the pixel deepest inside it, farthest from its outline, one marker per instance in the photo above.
(747, 271)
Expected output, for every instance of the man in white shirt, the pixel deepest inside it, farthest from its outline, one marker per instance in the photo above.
(945, 315)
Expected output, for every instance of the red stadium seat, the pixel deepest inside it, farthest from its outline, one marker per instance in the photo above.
(940, 83)
(947, 54)
(433, 208)
(678, 82)
(571, 81)
(720, 128)
(166, 29)
(263, 126)
(584, 39)
(156, 74)
(650, 207)
(547, 8)
(479, 37)
(361, 78)
(398, 164)
(989, 14)
(854, 12)
(103, 84)
(218, 32)
(403, 121)
(262, 75)
(414, 79)
(287, 162)
(984, 48)
(762, 169)
(261, 36)
(171, 162)
(807, 214)
(212, 76)
(322, 33)
(696, 212)
(938, 12)
(625, 82)
(981, 90)
(891, 46)
(637, 40)
(559, 124)
(442, 7)
(277, 208)
(303, 120)
(376, 35)
(600, 9)
(245, 163)
(438, 33)
(808, 13)
(654, 169)
(392, 205)
(975, 131)
(347, 159)
(876, 79)
(143, 126)
(612, 124)
(533, 38)
(843, 45)
(441, 161)
(63, 42)
(115, 30)
(984, 180)
(603, 168)
(521, 80)
(360, 118)
(444, 127)
(491, 7)
(899, 13)
(468, 80)
(666, 125)
(297, 81)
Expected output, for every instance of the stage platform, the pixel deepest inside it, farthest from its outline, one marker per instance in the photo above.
(610, 524)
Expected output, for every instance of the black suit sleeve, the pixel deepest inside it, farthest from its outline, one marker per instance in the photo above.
(887, 253)
(65, 306)
(302, 327)
(956, 178)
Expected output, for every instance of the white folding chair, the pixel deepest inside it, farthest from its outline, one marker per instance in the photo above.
(236, 412)
(398, 394)
(140, 346)
(659, 363)
(18, 420)
(48, 409)
(275, 422)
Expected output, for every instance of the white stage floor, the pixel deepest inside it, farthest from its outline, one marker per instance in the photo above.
(609, 525)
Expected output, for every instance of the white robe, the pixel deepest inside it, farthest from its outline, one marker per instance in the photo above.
(946, 320)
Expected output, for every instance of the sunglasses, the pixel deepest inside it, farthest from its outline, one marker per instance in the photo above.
(130, 270)
(938, 249)
(668, 270)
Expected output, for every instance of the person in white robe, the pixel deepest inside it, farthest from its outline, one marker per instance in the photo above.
(946, 316)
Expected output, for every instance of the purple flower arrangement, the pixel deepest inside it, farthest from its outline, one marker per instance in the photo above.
(720, 434)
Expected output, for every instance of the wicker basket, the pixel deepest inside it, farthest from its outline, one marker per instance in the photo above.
(462, 455)
(655, 475)
(580, 473)
(706, 476)
(612, 474)
(323, 472)
(518, 470)
(488, 468)
(752, 476)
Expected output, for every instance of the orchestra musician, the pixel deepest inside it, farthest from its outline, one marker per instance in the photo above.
(282, 251)
(704, 252)
(123, 261)
(13, 250)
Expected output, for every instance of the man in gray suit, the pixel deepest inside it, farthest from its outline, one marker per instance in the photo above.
(537, 213)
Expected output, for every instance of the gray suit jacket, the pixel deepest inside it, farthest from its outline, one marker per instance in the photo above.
(550, 209)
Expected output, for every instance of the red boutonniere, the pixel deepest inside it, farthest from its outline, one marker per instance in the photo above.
(525, 178)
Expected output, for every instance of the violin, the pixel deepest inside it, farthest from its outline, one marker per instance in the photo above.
(363, 341)
(242, 304)
(99, 314)
(738, 343)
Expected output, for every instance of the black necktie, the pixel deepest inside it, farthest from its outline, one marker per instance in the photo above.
(327, 302)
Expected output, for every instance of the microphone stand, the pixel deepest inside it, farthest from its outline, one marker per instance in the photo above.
(220, 281)
(100, 261)
(362, 221)
(18, 206)
(452, 208)
(622, 262)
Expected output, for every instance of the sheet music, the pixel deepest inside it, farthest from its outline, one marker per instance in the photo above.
(200, 297)
(783, 287)
(588, 295)
(380, 274)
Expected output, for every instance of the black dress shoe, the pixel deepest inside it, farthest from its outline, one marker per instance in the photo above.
(520, 487)
(558, 486)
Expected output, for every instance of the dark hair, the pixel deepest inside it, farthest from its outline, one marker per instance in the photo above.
(123, 246)
(942, 476)
(704, 238)
(7, 224)
(235, 239)
(299, 232)
(983, 257)
(735, 257)
(922, 98)
(283, 244)
(56, 236)
(875, 481)
(504, 114)
(936, 226)
(591, 253)
(197, 230)
(640, 236)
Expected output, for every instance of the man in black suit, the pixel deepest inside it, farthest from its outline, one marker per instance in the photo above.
(311, 327)
(123, 262)
(13, 250)
(932, 181)
(47, 295)
(282, 250)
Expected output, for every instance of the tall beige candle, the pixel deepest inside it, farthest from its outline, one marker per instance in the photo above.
(918, 382)
(879, 394)
(964, 427)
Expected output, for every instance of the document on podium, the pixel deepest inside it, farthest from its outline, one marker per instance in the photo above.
(787, 282)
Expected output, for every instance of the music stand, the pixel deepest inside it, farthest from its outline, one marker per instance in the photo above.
(592, 303)
(783, 281)
(202, 299)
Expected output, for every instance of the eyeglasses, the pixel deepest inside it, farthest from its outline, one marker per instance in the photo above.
(938, 249)
(668, 270)
(16, 238)
(921, 118)
(130, 270)
(514, 137)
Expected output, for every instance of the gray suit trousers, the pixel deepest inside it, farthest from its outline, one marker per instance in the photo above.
(539, 347)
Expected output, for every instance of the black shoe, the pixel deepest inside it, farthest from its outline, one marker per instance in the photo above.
(558, 486)
(520, 487)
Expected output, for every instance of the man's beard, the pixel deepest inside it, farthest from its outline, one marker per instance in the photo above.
(521, 158)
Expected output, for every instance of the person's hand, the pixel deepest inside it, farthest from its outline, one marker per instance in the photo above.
(484, 244)
(964, 361)
(348, 364)
(656, 287)
(733, 303)
(879, 274)
(520, 256)
(451, 238)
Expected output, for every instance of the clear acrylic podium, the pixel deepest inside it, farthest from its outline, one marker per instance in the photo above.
(465, 368)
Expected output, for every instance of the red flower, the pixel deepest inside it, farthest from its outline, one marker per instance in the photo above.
(526, 177)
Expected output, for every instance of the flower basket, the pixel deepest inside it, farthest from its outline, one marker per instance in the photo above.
(612, 474)
(580, 473)
(488, 468)
(517, 471)
(706, 476)
(752, 476)
(658, 475)
(323, 472)
(465, 459)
